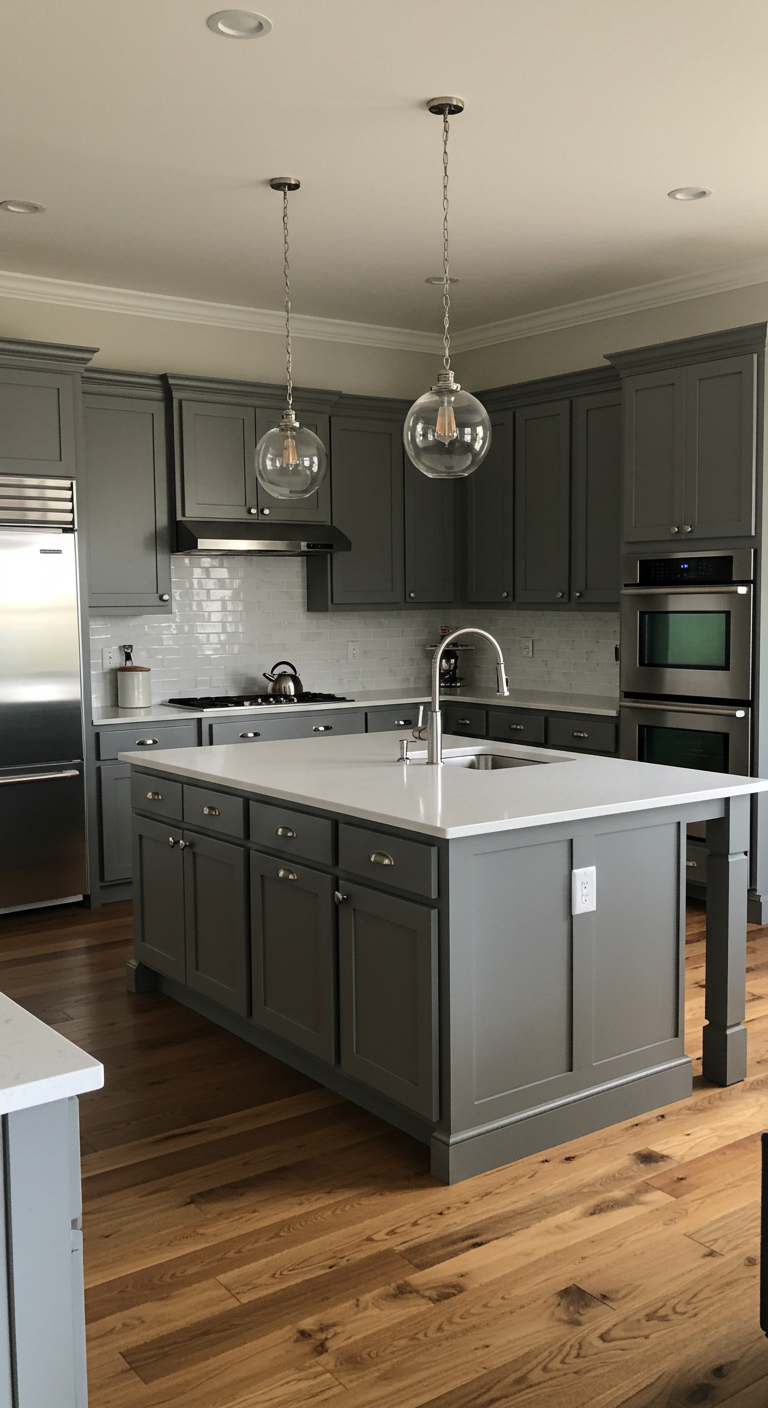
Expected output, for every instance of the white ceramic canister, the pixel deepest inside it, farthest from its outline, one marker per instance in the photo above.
(134, 690)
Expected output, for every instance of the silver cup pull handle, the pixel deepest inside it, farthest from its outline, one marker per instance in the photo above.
(146, 742)
(339, 898)
(210, 811)
(284, 874)
(380, 858)
(286, 831)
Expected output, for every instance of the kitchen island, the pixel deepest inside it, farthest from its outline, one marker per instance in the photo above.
(406, 934)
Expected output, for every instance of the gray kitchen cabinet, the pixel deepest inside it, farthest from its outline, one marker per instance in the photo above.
(293, 952)
(596, 498)
(589, 734)
(158, 910)
(287, 722)
(382, 720)
(127, 486)
(115, 821)
(316, 508)
(217, 460)
(489, 571)
(689, 440)
(465, 718)
(37, 421)
(388, 1015)
(517, 726)
(216, 920)
(124, 738)
(430, 552)
(542, 501)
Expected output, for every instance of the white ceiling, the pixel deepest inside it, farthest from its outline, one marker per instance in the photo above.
(151, 140)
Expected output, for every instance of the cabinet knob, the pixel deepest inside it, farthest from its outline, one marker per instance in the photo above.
(211, 811)
(380, 858)
(185, 845)
(577, 593)
(286, 831)
(688, 528)
(339, 898)
(154, 796)
(559, 595)
(146, 742)
(674, 530)
(412, 596)
(266, 512)
(250, 734)
(164, 596)
(284, 874)
(504, 595)
(171, 840)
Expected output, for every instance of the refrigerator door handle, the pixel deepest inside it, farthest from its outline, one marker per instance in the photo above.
(39, 776)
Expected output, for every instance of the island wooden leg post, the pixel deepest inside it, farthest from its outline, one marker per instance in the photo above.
(724, 1058)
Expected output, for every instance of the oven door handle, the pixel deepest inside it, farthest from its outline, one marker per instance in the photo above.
(712, 709)
(710, 588)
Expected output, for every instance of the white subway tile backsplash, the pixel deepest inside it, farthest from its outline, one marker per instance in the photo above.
(233, 619)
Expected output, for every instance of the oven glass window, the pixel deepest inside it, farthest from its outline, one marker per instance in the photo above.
(683, 747)
(685, 640)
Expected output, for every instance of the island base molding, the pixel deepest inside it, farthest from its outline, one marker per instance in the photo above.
(459, 1156)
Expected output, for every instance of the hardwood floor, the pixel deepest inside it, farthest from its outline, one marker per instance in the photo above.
(252, 1240)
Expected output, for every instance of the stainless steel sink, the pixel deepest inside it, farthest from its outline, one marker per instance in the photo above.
(488, 762)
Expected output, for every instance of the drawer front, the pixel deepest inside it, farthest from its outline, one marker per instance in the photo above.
(240, 730)
(382, 720)
(157, 795)
(216, 811)
(591, 734)
(294, 833)
(403, 865)
(287, 724)
(515, 728)
(458, 718)
(145, 738)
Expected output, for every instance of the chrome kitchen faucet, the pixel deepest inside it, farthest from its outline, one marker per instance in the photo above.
(434, 726)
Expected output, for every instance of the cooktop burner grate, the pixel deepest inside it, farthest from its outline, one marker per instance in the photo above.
(255, 701)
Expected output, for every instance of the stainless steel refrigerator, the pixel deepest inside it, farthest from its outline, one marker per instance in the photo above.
(43, 855)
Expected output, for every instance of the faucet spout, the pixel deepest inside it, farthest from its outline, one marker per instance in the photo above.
(434, 720)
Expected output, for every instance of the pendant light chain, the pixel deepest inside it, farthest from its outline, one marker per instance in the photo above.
(446, 285)
(288, 356)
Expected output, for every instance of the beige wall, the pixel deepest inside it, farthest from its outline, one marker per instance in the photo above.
(133, 342)
(571, 349)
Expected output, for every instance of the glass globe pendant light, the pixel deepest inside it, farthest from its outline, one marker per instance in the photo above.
(291, 462)
(447, 432)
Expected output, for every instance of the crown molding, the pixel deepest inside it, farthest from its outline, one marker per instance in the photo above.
(221, 315)
(613, 305)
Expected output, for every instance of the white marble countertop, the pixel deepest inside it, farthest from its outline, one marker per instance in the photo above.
(557, 702)
(358, 775)
(37, 1064)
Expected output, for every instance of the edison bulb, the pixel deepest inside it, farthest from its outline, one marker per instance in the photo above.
(291, 462)
(447, 432)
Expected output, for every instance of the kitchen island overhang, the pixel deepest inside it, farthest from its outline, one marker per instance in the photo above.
(404, 934)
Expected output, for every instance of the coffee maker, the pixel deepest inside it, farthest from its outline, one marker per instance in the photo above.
(449, 669)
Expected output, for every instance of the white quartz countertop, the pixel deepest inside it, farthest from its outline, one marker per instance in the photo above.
(518, 698)
(37, 1064)
(358, 775)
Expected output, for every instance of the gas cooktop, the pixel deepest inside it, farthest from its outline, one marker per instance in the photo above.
(254, 701)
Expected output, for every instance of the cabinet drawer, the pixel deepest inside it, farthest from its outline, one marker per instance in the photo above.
(295, 833)
(146, 738)
(381, 720)
(242, 730)
(461, 719)
(696, 863)
(515, 728)
(591, 734)
(158, 795)
(216, 811)
(285, 722)
(403, 865)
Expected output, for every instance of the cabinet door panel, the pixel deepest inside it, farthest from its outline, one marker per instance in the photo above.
(218, 446)
(368, 506)
(315, 509)
(293, 954)
(490, 542)
(129, 561)
(429, 537)
(158, 909)
(216, 914)
(388, 996)
(542, 501)
(596, 484)
(720, 448)
(654, 455)
(115, 798)
(37, 423)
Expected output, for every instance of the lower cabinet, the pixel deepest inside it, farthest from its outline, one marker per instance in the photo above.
(191, 910)
(293, 954)
(388, 996)
(115, 817)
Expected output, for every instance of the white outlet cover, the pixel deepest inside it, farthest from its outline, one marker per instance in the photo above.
(584, 890)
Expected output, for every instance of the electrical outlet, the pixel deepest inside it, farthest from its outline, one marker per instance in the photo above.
(525, 646)
(583, 890)
(352, 655)
(110, 657)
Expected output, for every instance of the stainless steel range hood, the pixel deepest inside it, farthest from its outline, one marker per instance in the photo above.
(220, 536)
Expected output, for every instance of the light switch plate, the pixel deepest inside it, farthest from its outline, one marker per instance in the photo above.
(352, 655)
(583, 890)
(525, 646)
(110, 657)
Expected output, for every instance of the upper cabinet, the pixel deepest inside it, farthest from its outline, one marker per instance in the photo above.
(543, 502)
(596, 497)
(217, 425)
(690, 438)
(488, 521)
(430, 557)
(39, 386)
(126, 496)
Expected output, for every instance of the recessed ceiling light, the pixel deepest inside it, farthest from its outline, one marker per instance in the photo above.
(689, 193)
(239, 24)
(21, 207)
(438, 279)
